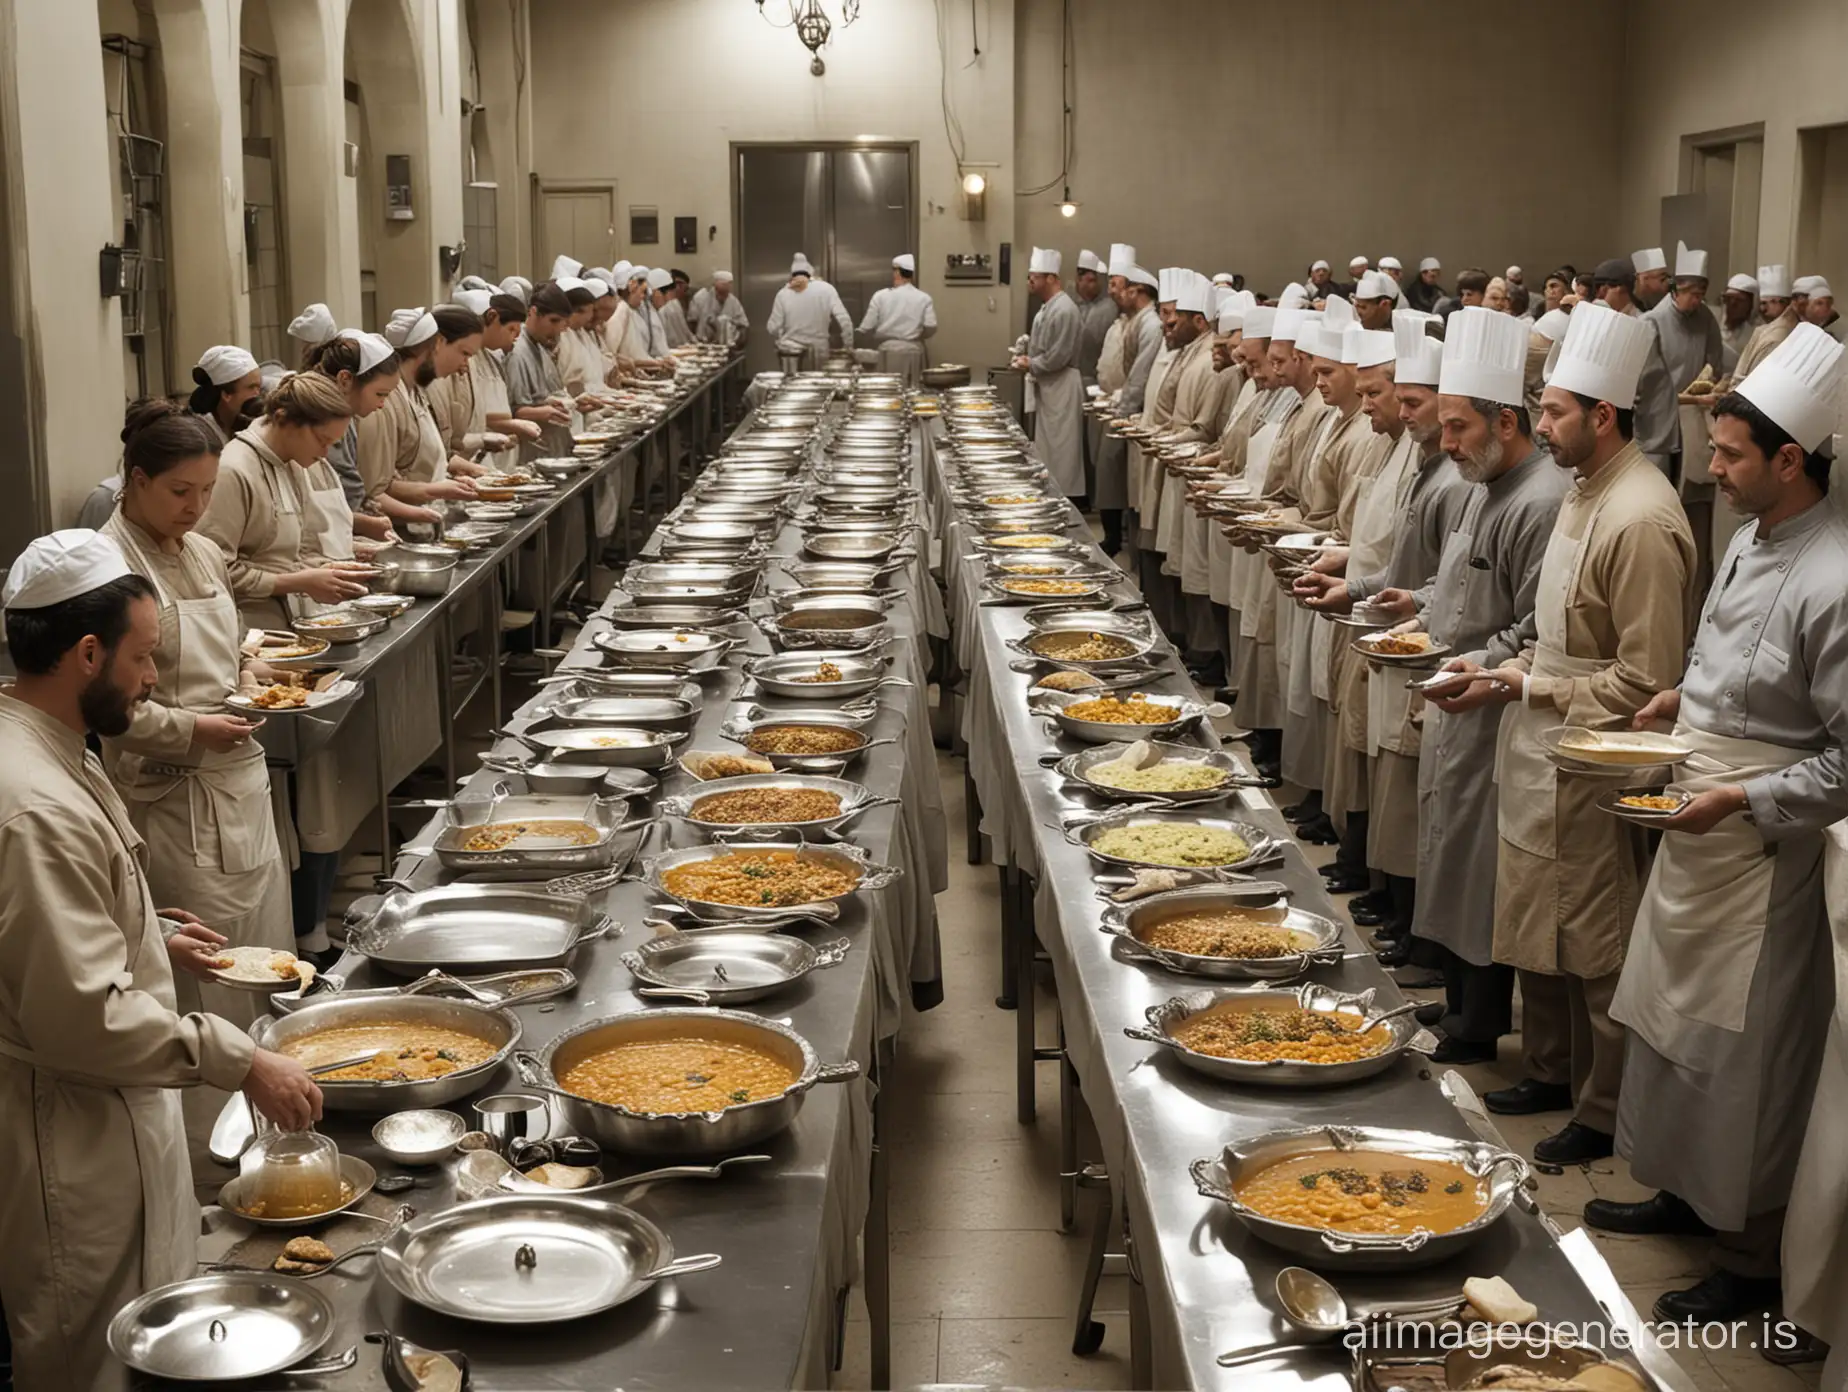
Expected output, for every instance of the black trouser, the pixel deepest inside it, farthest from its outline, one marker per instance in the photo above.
(1112, 518)
(311, 890)
(1351, 852)
(1402, 890)
(1478, 1001)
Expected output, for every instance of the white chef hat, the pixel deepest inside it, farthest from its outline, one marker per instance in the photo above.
(799, 265)
(1318, 265)
(1224, 278)
(1485, 355)
(620, 274)
(1430, 263)
(564, 266)
(602, 273)
(314, 325)
(641, 273)
(1376, 285)
(224, 363)
(905, 262)
(1136, 275)
(1819, 289)
(1089, 260)
(1552, 325)
(1294, 296)
(1045, 261)
(1799, 385)
(1338, 314)
(1360, 261)
(1215, 296)
(1308, 338)
(470, 282)
(722, 277)
(1602, 355)
(519, 287)
(1291, 322)
(1744, 282)
(1808, 285)
(1649, 259)
(1234, 308)
(1191, 292)
(598, 288)
(568, 283)
(1368, 347)
(61, 566)
(1166, 284)
(1390, 263)
(1689, 262)
(1774, 282)
(409, 327)
(1418, 358)
(1122, 258)
(1260, 320)
(660, 278)
(373, 348)
(474, 301)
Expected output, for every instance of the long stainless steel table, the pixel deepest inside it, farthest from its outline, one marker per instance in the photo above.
(789, 1231)
(1205, 1284)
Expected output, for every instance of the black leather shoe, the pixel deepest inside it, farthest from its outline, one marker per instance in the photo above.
(1270, 771)
(1665, 1213)
(1318, 831)
(1529, 1096)
(1789, 1349)
(1430, 1013)
(1363, 917)
(1299, 811)
(1574, 1144)
(1463, 1051)
(1375, 901)
(1721, 1298)
(1396, 953)
(1389, 935)
(1345, 881)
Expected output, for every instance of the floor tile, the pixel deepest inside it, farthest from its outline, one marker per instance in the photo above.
(1023, 1273)
(1025, 1353)
(914, 1354)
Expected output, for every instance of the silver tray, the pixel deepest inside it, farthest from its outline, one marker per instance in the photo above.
(359, 626)
(628, 747)
(873, 547)
(778, 675)
(1509, 1178)
(1077, 767)
(786, 630)
(1430, 657)
(724, 576)
(725, 967)
(470, 928)
(705, 597)
(1053, 703)
(664, 648)
(855, 799)
(1405, 1034)
(1090, 587)
(1127, 922)
(1083, 832)
(530, 1258)
(537, 854)
(231, 1324)
(1063, 563)
(739, 732)
(642, 712)
(838, 855)
(835, 577)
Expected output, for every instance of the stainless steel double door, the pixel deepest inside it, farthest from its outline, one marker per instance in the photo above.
(850, 209)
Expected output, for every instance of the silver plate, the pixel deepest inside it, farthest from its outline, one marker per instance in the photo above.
(1085, 834)
(1402, 1034)
(730, 967)
(854, 798)
(538, 853)
(835, 577)
(232, 1324)
(850, 546)
(527, 1258)
(678, 643)
(841, 856)
(1077, 767)
(623, 746)
(1053, 703)
(645, 712)
(780, 674)
(1128, 922)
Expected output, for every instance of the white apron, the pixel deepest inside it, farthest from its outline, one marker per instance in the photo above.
(1059, 436)
(1251, 576)
(1719, 1074)
(1816, 1235)
(1696, 450)
(329, 522)
(81, 1140)
(1376, 513)
(293, 537)
(904, 357)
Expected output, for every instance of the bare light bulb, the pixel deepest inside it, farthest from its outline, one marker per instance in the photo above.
(1068, 209)
(974, 184)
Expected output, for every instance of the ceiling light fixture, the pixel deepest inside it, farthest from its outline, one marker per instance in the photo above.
(1067, 208)
(813, 25)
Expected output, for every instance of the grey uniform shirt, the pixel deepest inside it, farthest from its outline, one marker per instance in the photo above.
(1144, 330)
(1433, 506)
(1053, 344)
(533, 377)
(1481, 608)
(1689, 341)
(1095, 318)
(709, 310)
(343, 459)
(1770, 663)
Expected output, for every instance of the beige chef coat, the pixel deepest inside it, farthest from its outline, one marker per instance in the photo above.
(400, 440)
(461, 403)
(96, 1200)
(1618, 585)
(1112, 371)
(261, 516)
(1764, 338)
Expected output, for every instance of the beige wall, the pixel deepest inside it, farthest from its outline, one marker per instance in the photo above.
(1221, 136)
(1699, 66)
(701, 74)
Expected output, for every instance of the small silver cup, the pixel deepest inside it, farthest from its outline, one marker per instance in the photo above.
(513, 1116)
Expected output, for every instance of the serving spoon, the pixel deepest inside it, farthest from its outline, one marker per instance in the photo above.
(1319, 1312)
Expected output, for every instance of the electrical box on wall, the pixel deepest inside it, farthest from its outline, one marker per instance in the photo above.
(968, 268)
(398, 189)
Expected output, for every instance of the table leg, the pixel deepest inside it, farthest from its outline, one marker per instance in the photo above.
(1069, 1102)
(445, 692)
(592, 542)
(1088, 1334)
(496, 606)
(542, 546)
(972, 814)
(1025, 1051)
(374, 685)
(1010, 929)
(876, 1242)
